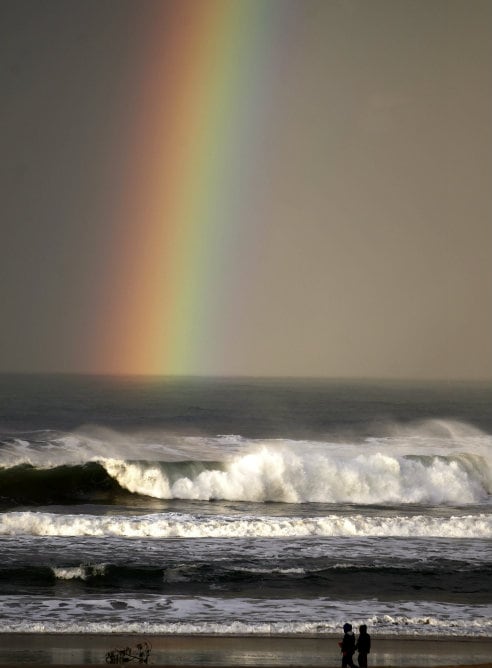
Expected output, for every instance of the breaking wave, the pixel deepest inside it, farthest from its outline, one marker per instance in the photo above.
(284, 475)
(453, 468)
(266, 475)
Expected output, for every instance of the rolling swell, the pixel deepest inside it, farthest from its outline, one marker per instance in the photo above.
(107, 481)
(29, 485)
(256, 580)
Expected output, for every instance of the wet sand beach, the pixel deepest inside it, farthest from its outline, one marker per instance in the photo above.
(18, 649)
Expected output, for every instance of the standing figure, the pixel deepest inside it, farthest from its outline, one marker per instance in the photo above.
(363, 646)
(347, 645)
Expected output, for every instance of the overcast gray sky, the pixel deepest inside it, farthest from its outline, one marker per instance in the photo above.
(370, 254)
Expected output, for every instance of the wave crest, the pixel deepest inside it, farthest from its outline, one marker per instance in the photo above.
(289, 476)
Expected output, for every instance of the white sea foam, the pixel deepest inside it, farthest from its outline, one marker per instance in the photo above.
(171, 525)
(70, 573)
(209, 615)
(287, 473)
(82, 572)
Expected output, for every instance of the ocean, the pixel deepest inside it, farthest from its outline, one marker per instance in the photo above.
(245, 506)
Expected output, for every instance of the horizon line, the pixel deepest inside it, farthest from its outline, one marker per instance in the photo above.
(239, 376)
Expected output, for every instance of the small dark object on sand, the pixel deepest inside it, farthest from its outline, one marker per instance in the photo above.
(139, 653)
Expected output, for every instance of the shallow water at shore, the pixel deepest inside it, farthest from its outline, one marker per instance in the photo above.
(81, 649)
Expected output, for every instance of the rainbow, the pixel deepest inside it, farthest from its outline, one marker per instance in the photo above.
(202, 96)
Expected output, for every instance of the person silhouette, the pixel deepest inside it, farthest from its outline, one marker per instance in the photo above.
(347, 646)
(363, 646)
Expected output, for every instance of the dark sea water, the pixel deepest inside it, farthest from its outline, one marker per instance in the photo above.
(244, 506)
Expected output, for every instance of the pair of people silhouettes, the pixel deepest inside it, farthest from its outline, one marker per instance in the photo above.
(349, 645)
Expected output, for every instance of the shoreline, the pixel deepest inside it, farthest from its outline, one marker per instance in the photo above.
(77, 649)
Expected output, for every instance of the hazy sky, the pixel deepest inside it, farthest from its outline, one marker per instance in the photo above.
(370, 250)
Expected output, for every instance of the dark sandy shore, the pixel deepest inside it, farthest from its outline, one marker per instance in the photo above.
(65, 649)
